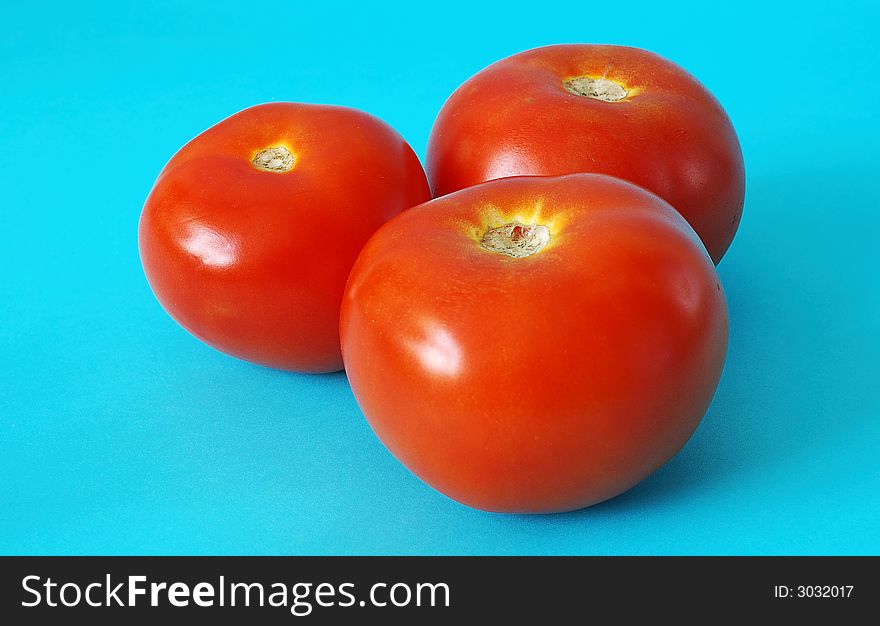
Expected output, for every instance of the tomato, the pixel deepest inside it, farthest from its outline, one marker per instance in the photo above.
(535, 344)
(251, 229)
(606, 109)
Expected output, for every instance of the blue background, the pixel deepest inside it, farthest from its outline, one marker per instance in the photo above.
(120, 433)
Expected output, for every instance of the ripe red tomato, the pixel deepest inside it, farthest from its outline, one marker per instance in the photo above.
(606, 109)
(535, 344)
(250, 231)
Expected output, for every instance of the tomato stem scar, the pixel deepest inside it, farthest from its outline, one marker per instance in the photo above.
(596, 88)
(515, 239)
(273, 159)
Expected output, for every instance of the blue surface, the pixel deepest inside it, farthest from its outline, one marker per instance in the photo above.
(120, 433)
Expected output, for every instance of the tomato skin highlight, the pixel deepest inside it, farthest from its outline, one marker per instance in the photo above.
(669, 134)
(537, 384)
(253, 261)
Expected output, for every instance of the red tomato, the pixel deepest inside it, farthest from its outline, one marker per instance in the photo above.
(250, 231)
(535, 344)
(606, 109)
